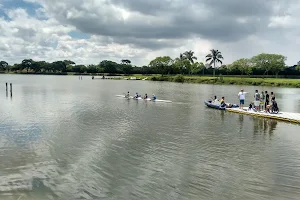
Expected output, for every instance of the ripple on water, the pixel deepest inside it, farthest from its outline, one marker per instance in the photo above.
(75, 140)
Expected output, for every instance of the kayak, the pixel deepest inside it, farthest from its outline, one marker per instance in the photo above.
(158, 100)
(130, 97)
(148, 99)
(218, 106)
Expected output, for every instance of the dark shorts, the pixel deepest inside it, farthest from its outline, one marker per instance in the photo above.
(267, 103)
(242, 101)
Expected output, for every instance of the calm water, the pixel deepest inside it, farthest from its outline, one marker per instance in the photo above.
(64, 138)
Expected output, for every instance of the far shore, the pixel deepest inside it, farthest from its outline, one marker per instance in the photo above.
(293, 82)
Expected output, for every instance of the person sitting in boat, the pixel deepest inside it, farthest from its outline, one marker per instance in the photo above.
(127, 95)
(215, 100)
(153, 97)
(222, 102)
(136, 95)
(146, 96)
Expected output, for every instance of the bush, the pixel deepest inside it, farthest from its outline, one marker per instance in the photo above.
(179, 78)
(160, 78)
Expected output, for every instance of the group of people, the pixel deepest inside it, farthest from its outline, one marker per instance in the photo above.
(221, 102)
(137, 95)
(261, 100)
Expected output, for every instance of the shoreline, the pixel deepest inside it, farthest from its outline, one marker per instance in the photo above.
(218, 80)
(273, 82)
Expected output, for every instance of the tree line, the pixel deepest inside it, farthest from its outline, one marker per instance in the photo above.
(186, 64)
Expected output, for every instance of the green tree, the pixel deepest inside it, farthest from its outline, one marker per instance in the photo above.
(244, 65)
(162, 64)
(3, 65)
(182, 65)
(269, 62)
(277, 63)
(37, 66)
(109, 66)
(79, 68)
(126, 61)
(298, 66)
(214, 57)
(224, 69)
(91, 69)
(69, 62)
(126, 68)
(182, 57)
(27, 64)
(59, 66)
(197, 67)
(16, 67)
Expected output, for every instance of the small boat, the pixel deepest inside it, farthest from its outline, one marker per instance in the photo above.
(218, 106)
(148, 99)
(130, 97)
(158, 100)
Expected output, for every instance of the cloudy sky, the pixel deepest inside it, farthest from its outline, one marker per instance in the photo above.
(88, 31)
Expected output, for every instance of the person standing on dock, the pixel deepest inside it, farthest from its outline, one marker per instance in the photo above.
(262, 100)
(267, 99)
(256, 100)
(242, 98)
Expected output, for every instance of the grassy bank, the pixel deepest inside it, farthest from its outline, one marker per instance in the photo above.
(226, 80)
(276, 82)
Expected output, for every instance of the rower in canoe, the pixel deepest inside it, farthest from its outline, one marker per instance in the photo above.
(136, 95)
(127, 95)
(153, 97)
(146, 96)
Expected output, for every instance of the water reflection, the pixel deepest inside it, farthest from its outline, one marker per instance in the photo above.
(241, 123)
(81, 142)
(265, 126)
(222, 115)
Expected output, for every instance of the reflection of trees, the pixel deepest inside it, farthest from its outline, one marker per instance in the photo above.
(265, 126)
(241, 122)
(222, 116)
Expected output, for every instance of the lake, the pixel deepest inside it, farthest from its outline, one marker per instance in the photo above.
(65, 138)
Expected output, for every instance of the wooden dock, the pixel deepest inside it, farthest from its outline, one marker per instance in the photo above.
(283, 116)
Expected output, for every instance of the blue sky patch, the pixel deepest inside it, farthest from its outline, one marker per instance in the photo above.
(13, 4)
(79, 35)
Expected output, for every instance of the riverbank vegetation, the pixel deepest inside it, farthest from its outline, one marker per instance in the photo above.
(185, 68)
(225, 80)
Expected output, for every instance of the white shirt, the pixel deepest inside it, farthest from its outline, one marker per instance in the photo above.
(242, 95)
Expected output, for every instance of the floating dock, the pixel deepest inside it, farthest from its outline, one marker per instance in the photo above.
(283, 116)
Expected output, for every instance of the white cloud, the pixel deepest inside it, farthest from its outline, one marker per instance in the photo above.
(141, 31)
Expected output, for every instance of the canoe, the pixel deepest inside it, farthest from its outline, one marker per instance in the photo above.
(158, 100)
(131, 97)
(148, 99)
(218, 106)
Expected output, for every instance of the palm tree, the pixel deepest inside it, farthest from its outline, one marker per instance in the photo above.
(189, 55)
(182, 57)
(213, 57)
